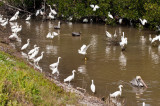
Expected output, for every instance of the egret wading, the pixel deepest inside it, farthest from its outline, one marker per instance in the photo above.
(93, 88)
(117, 93)
(70, 78)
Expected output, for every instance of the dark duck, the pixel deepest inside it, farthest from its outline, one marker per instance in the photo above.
(76, 33)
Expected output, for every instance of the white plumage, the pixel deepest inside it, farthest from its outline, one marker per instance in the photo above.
(110, 15)
(108, 34)
(95, 7)
(55, 64)
(25, 45)
(143, 22)
(85, 20)
(70, 78)
(32, 50)
(37, 12)
(4, 23)
(83, 49)
(38, 58)
(51, 16)
(15, 16)
(34, 53)
(28, 18)
(117, 93)
(143, 104)
(52, 10)
(55, 70)
(93, 88)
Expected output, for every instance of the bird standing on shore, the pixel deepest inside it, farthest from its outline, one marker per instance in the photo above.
(54, 65)
(25, 45)
(93, 88)
(143, 22)
(38, 58)
(117, 93)
(70, 78)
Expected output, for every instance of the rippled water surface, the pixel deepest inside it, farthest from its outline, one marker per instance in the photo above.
(106, 65)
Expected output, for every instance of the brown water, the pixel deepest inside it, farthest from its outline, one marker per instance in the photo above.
(106, 65)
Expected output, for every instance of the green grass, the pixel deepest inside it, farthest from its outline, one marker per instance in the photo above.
(22, 85)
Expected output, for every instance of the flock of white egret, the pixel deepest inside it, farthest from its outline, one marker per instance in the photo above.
(31, 55)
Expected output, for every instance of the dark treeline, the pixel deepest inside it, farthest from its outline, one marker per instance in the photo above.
(129, 10)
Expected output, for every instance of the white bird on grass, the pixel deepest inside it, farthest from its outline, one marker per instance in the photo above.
(110, 15)
(28, 18)
(95, 7)
(25, 45)
(55, 64)
(38, 58)
(70, 78)
(93, 88)
(117, 93)
(32, 50)
(143, 22)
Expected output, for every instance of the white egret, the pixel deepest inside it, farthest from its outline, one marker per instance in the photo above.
(17, 29)
(32, 50)
(150, 38)
(4, 23)
(115, 35)
(55, 64)
(14, 35)
(34, 53)
(52, 10)
(25, 45)
(70, 78)
(51, 16)
(83, 49)
(93, 88)
(95, 7)
(15, 16)
(143, 22)
(120, 21)
(37, 12)
(110, 15)
(123, 42)
(38, 58)
(55, 70)
(28, 18)
(117, 93)
(85, 20)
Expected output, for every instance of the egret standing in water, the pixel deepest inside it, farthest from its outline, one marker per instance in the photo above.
(138, 82)
(83, 50)
(70, 78)
(93, 88)
(25, 45)
(117, 93)
(58, 27)
(38, 58)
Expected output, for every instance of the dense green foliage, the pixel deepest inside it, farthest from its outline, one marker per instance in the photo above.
(22, 85)
(126, 9)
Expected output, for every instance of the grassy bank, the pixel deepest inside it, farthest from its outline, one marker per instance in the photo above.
(22, 85)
